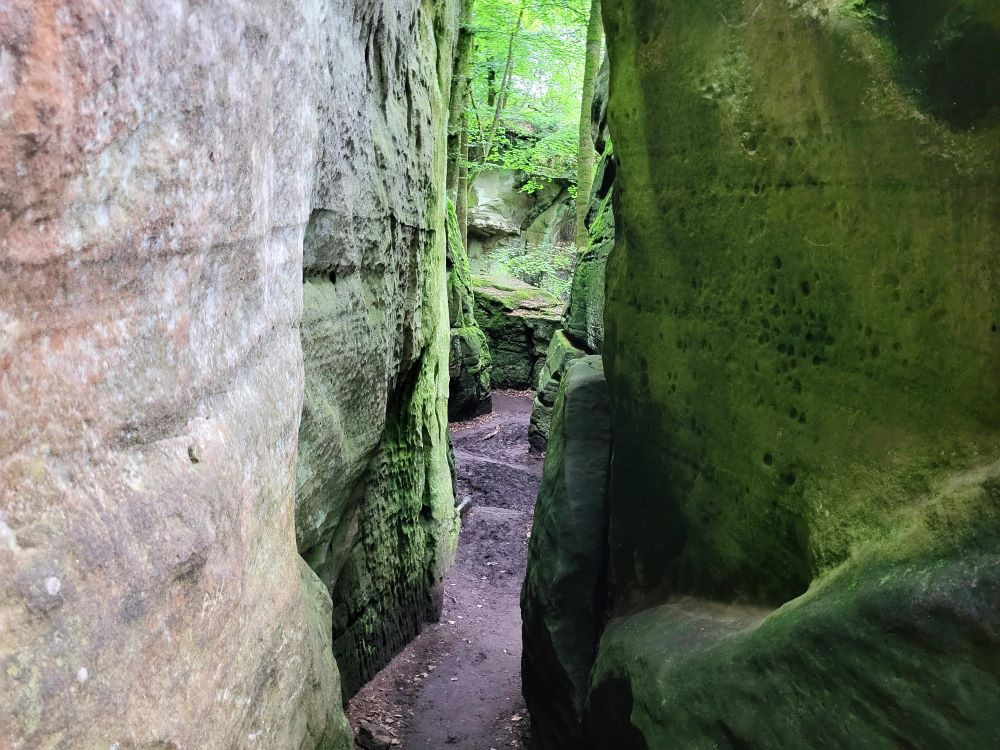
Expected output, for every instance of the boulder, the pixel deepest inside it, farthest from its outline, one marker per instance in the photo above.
(560, 355)
(518, 321)
(567, 560)
(583, 320)
(486, 222)
(194, 198)
(469, 359)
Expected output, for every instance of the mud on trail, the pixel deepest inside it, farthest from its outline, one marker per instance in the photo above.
(458, 685)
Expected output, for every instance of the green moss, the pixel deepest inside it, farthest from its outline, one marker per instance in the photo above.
(460, 302)
(326, 726)
(863, 9)
(470, 363)
(560, 355)
(407, 527)
(895, 647)
(518, 326)
(480, 281)
(800, 320)
(470, 368)
(513, 297)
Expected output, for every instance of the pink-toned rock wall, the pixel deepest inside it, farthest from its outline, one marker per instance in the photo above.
(156, 169)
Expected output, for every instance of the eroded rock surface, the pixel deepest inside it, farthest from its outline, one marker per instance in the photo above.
(374, 507)
(180, 185)
(801, 346)
(562, 611)
(518, 320)
(156, 164)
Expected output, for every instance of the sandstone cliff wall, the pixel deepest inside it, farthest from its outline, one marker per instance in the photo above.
(162, 167)
(801, 350)
(374, 505)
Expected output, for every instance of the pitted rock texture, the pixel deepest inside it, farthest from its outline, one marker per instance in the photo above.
(374, 506)
(156, 178)
(801, 347)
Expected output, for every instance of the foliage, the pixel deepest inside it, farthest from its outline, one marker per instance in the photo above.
(544, 265)
(869, 10)
(535, 97)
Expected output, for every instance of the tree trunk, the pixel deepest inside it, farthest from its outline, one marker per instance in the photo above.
(585, 156)
(459, 97)
(501, 98)
(491, 84)
(462, 193)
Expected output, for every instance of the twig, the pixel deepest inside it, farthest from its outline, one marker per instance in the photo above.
(741, 25)
(817, 244)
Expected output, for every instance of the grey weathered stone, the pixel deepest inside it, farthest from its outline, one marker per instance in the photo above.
(503, 216)
(156, 171)
(167, 172)
(372, 472)
(561, 606)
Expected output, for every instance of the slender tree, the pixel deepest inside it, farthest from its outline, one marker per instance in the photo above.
(459, 96)
(585, 155)
(525, 81)
(501, 96)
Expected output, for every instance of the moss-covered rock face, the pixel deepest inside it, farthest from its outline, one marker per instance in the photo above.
(518, 321)
(567, 559)
(947, 53)
(583, 320)
(898, 647)
(469, 370)
(374, 508)
(469, 360)
(560, 356)
(801, 347)
(802, 307)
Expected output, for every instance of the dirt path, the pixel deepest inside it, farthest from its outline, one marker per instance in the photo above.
(458, 684)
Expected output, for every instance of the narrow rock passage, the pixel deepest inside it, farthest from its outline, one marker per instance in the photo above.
(458, 684)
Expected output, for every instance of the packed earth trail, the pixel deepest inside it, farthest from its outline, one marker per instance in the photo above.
(458, 684)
